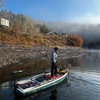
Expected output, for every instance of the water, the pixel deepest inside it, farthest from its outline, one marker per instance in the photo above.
(83, 82)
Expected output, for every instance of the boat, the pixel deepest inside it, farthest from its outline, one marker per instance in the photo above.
(40, 82)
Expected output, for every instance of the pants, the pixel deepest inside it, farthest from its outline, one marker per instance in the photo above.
(53, 68)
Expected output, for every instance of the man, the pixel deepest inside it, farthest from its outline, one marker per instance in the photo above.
(54, 57)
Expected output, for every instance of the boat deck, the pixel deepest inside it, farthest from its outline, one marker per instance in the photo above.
(37, 81)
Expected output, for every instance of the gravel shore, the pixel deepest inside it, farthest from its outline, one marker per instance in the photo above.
(14, 54)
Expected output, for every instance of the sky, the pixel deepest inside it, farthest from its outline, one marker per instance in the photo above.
(80, 11)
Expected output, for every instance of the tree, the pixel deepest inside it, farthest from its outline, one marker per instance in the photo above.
(2, 2)
(74, 40)
(29, 27)
(44, 29)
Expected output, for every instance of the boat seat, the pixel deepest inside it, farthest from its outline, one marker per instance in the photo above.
(41, 78)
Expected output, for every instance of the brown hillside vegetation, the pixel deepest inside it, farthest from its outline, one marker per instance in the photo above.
(74, 40)
(40, 39)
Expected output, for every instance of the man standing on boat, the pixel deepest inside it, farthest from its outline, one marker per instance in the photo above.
(54, 57)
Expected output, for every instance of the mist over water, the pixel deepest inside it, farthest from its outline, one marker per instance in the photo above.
(82, 83)
(88, 31)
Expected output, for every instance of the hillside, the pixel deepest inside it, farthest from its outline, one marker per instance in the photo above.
(41, 40)
(23, 30)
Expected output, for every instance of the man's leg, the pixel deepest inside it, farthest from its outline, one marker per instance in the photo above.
(55, 65)
(52, 68)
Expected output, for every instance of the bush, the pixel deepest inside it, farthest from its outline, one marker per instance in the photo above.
(74, 40)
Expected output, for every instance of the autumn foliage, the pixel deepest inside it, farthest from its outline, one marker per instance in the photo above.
(74, 40)
(40, 39)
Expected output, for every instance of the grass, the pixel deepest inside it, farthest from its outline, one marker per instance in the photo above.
(37, 39)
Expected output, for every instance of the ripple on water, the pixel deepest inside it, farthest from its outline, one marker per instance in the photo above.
(84, 86)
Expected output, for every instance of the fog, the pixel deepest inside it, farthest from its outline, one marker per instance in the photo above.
(89, 32)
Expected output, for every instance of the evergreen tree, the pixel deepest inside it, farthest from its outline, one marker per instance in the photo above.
(44, 29)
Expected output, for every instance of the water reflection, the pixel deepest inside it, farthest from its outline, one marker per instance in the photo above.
(34, 67)
(53, 95)
(91, 62)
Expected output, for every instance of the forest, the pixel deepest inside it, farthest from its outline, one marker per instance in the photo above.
(23, 30)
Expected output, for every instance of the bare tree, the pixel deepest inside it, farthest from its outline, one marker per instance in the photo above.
(2, 2)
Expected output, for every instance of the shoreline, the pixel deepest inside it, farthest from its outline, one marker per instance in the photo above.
(15, 54)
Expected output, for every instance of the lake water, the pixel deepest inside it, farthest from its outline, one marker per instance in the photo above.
(82, 83)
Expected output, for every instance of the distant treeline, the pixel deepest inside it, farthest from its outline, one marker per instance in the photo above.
(89, 32)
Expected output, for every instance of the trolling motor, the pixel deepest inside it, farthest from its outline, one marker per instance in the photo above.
(14, 73)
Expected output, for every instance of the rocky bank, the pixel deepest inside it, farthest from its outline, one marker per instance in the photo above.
(10, 54)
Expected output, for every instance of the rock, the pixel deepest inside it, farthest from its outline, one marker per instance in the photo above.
(13, 54)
